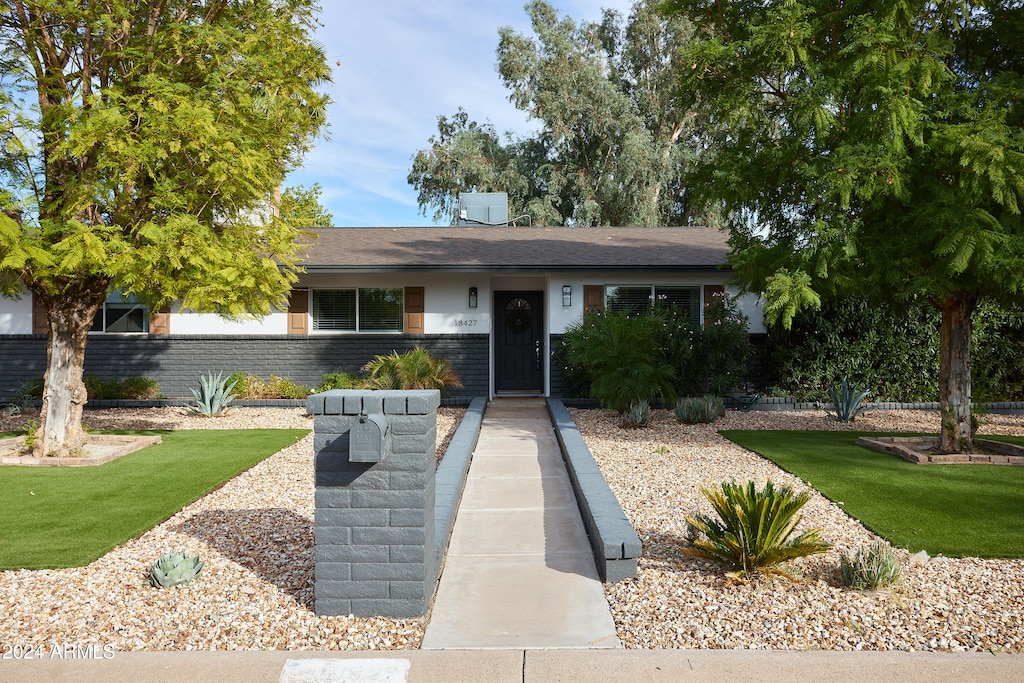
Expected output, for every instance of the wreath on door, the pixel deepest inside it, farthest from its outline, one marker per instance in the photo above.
(518, 321)
(518, 315)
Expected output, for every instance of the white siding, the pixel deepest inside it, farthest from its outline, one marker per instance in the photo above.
(16, 315)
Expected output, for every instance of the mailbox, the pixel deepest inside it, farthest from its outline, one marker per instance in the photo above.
(369, 439)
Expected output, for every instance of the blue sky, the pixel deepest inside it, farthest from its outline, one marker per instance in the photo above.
(403, 63)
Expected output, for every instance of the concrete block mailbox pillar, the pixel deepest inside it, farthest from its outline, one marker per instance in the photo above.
(374, 524)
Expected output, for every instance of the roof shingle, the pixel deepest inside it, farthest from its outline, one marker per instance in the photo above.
(516, 249)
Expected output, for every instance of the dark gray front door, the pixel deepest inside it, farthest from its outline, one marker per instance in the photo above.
(519, 341)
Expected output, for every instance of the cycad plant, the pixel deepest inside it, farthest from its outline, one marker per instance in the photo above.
(755, 529)
(415, 369)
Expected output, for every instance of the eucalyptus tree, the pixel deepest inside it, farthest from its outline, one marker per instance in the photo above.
(138, 141)
(870, 146)
(612, 141)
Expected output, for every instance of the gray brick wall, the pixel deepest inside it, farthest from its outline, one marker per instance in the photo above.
(374, 522)
(176, 362)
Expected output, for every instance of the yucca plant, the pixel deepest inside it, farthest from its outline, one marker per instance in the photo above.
(755, 530)
(175, 569)
(870, 568)
(415, 369)
(213, 396)
(847, 401)
(638, 414)
(700, 409)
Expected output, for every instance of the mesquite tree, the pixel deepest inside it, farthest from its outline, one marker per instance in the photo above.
(870, 146)
(138, 141)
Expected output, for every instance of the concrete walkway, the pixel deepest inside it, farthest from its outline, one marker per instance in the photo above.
(519, 572)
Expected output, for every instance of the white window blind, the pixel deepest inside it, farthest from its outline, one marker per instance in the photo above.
(368, 309)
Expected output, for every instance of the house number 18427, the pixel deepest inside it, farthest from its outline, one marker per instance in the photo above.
(465, 323)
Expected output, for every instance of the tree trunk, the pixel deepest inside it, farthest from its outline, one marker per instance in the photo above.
(69, 319)
(957, 433)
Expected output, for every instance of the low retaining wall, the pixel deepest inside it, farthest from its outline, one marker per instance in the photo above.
(450, 478)
(615, 542)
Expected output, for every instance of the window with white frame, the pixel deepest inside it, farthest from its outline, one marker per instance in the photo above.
(638, 299)
(363, 309)
(120, 314)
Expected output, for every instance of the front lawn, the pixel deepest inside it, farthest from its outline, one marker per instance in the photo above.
(955, 510)
(53, 517)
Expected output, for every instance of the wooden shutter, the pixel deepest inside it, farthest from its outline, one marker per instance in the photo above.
(593, 297)
(298, 311)
(39, 324)
(160, 322)
(414, 307)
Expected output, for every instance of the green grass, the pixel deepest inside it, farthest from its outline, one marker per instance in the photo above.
(52, 517)
(955, 510)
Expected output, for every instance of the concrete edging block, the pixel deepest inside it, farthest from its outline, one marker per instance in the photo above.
(615, 543)
(450, 477)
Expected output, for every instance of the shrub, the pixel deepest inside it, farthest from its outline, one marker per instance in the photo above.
(894, 350)
(138, 389)
(847, 401)
(711, 358)
(637, 415)
(755, 530)
(338, 380)
(96, 389)
(621, 357)
(284, 387)
(701, 409)
(870, 568)
(31, 390)
(252, 387)
(213, 396)
(415, 369)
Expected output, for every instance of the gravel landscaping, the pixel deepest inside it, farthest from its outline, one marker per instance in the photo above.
(255, 535)
(679, 602)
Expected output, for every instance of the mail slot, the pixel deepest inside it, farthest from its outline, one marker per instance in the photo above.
(369, 439)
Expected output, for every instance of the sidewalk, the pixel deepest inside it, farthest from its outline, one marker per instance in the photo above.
(519, 572)
(524, 666)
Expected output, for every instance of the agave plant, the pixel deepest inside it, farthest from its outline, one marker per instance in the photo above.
(699, 409)
(873, 567)
(415, 369)
(175, 569)
(847, 401)
(213, 396)
(755, 530)
(637, 415)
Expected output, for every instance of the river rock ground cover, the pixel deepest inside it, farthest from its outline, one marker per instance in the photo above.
(255, 536)
(256, 533)
(942, 604)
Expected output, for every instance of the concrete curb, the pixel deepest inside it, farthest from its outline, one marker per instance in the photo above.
(450, 478)
(615, 542)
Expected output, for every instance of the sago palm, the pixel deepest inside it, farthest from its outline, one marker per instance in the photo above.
(755, 529)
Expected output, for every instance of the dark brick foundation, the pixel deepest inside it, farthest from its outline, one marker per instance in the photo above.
(176, 362)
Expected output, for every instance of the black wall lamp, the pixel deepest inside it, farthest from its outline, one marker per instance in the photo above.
(567, 295)
(473, 299)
